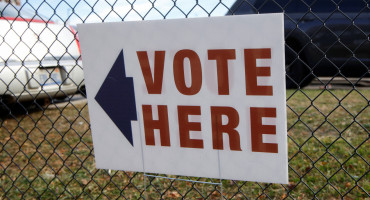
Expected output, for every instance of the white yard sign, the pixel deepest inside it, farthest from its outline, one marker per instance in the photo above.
(196, 97)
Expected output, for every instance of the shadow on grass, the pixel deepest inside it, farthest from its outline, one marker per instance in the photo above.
(17, 109)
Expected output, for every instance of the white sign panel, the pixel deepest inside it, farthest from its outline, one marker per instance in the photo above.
(196, 97)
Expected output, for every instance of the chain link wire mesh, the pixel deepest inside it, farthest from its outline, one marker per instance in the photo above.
(46, 149)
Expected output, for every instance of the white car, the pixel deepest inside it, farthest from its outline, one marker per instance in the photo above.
(38, 59)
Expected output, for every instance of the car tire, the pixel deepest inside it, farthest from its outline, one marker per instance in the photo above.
(298, 73)
(82, 91)
(297, 76)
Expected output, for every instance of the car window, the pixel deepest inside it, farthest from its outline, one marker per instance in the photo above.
(242, 7)
(8, 10)
(345, 6)
(352, 6)
(295, 6)
(270, 6)
(288, 6)
(322, 6)
(302, 6)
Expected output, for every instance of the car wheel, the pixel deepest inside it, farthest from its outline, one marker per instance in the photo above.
(297, 70)
(82, 91)
(297, 76)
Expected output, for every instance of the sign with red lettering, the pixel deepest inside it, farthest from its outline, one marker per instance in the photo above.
(195, 97)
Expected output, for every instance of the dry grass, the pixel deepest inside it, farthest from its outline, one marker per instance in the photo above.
(47, 154)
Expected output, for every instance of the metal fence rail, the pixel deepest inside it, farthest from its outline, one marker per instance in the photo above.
(46, 148)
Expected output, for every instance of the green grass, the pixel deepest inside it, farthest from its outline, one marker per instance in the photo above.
(48, 155)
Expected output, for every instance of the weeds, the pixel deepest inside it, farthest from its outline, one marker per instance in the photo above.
(48, 154)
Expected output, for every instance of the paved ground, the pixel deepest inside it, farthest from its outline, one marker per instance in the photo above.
(336, 83)
(77, 99)
(339, 83)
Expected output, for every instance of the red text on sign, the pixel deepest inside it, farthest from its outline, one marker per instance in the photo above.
(218, 127)
(221, 56)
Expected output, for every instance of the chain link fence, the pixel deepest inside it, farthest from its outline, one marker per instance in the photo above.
(46, 149)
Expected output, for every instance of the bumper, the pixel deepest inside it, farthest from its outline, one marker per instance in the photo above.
(25, 82)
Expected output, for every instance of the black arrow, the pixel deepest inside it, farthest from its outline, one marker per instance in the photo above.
(117, 97)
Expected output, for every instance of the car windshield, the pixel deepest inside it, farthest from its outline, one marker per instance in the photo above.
(299, 6)
(9, 10)
(322, 6)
